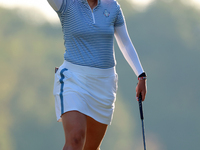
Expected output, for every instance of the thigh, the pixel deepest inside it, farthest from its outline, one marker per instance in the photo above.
(75, 125)
(95, 134)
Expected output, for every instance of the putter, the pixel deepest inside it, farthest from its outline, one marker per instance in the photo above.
(142, 119)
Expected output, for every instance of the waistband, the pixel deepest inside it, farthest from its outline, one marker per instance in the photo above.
(88, 70)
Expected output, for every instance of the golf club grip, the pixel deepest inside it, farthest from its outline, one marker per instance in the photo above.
(140, 107)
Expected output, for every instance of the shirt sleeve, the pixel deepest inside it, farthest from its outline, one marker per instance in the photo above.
(60, 6)
(120, 17)
(127, 48)
(55, 4)
(63, 7)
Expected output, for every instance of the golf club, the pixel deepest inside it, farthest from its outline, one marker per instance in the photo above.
(142, 118)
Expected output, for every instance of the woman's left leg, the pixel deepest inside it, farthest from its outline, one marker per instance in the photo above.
(94, 135)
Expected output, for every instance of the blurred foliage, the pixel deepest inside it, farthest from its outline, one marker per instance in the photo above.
(166, 36)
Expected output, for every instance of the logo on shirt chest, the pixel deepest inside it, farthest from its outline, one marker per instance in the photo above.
(106, 13)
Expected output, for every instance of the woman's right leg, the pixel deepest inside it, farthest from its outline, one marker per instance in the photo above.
(75, 128)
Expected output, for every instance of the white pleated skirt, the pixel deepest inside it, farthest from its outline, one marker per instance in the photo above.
(91, 91)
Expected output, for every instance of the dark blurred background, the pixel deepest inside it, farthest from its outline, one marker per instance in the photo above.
(166, 35)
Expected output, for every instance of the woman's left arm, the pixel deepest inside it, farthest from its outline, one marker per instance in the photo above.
(128, 50)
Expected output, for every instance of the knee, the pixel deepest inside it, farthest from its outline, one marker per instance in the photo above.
(76, 139)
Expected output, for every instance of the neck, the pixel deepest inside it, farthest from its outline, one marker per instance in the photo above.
(92, 3)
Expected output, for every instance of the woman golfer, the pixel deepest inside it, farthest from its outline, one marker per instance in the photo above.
(86, 83)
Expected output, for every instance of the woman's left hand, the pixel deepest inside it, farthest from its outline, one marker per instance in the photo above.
(141, 88)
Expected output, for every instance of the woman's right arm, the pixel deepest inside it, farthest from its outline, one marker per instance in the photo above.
(55, 4)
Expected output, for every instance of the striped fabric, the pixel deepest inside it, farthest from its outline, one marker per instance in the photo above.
(89, 34)
(62, 88)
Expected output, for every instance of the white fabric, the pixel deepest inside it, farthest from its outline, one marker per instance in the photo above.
(55, 4)
(127, 49)
(89, 90)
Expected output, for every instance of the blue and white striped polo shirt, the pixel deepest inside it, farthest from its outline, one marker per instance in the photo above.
(89, 34)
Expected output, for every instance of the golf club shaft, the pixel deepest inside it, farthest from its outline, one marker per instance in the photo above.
(143, 135)
(142, 119)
